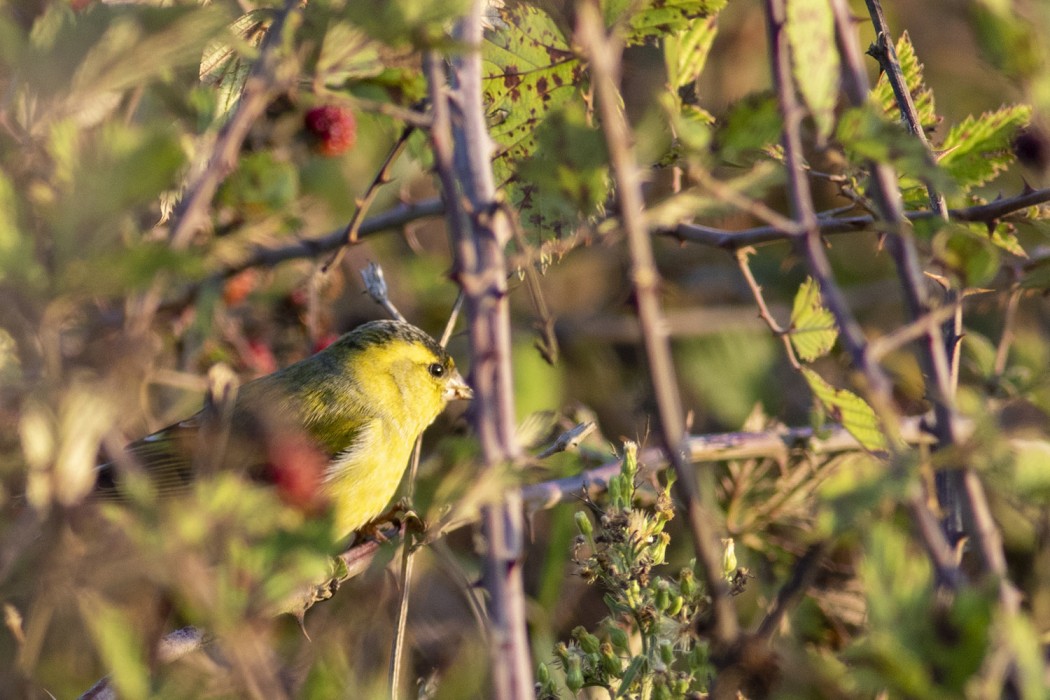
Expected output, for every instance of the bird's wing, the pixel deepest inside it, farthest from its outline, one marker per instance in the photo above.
(166, 456)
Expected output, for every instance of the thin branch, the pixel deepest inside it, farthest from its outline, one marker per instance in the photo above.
(763, 310)
(1002, 350)
(828, 225)
(265, 80)
(884, 51)
(266, 256)
(719, 447)
(802, 577)
(382, 177)
(408, 552)
(604, 55)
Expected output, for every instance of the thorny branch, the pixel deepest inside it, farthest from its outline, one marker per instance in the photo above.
(732, 240)
(604, 55)
(885, 53)
(479, 232)
(961, 485)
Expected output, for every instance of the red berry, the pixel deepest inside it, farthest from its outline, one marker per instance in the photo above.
(334, 129)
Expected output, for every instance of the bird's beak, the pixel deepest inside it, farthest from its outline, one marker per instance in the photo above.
(457, 388)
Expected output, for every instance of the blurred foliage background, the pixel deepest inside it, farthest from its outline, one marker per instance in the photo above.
(108, 329)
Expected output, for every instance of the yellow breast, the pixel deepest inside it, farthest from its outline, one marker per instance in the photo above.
(361, 480)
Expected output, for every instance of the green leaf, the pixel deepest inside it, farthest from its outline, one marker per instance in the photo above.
(260, 185)
(967, 252)
(418, 23)
(658, 18)
(978, 149)
(752, 125)
(529, 73)
(868, 135)
(849, 410)
(921, 94)
(815, 59)
(118, 643)
(17, 255)
(565, 180)
(686, 52)
(813, 331)
(1031, 476)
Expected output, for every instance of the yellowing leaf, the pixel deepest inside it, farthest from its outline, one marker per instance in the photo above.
(685, 53)
(813, 330)
(849, 410)
(811, 33)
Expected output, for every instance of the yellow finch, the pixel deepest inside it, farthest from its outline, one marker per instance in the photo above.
(340, 424)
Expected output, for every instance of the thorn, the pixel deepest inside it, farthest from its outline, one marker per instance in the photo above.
(991, 226)
(1028, 189)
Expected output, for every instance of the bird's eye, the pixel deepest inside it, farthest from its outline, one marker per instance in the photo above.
(436, 370)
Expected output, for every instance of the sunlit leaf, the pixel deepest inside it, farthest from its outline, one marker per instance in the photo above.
(658, 18)
(685, 53)
(529, 71)
(870, 136)
(813, 331)
(921, 94)
(849, 410)
(226, 64)
(978, 149)
(815, 59)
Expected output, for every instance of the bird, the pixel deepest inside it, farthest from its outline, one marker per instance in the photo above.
(340, 424)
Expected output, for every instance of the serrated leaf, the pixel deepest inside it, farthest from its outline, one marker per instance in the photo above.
(813, 331)
(815, 59)
(978, 149)
(529, 72)
(658, 18)
(686, 52)
(226, 64)
(921, 94)
(867, 134)
(849, 410)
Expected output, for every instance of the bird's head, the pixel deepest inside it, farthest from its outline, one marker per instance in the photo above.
(402, 371)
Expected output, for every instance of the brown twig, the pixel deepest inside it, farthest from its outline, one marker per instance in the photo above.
(382, 177)
(802, 577)
(763, 310)
(264, 81)
(265, 256)
(603, 53)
